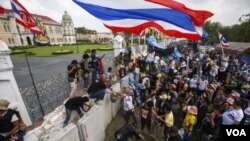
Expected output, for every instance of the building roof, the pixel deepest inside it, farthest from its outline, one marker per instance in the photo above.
(45, 19)
(238, 47)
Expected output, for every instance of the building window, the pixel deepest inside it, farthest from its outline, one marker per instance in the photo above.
(5, 27)
(50, 30)
(70, 40)
(9, 41)
(13, 40)
(8, 26)
(65, 40)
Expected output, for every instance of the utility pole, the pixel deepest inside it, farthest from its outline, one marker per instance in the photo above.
(77, 49)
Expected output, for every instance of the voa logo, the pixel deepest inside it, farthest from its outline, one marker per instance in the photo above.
(236, 132)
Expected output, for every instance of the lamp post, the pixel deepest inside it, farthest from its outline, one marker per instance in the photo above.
(30, 72)
(77, 49)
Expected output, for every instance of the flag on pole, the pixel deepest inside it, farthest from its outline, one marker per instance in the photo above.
(142, 34)
(24, 18)
(224, 43)
(1, 10)
(133, 16)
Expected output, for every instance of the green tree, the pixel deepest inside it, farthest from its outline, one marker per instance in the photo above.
(83, 30)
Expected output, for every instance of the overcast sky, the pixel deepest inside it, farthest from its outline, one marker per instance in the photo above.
(225, 11)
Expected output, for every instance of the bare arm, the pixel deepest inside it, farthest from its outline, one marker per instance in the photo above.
(16, 126)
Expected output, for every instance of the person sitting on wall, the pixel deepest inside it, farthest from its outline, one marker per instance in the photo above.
(97, 90)
(74, 104)
(10, 122)
(126, 131)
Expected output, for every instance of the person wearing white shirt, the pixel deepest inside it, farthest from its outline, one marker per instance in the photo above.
(150, 57)
(202, 85)
(222, 71)
(213, 73)
(234, 116)
(193, 83)
(128, 106)
(157, 58)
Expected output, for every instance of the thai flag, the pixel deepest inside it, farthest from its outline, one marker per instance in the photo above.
(169, 17)
(24, 18)
(1, 10)
(223, 41)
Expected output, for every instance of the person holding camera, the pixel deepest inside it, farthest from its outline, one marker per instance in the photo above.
(72, 70)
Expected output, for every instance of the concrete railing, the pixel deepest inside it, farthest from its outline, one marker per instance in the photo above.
(91, 127)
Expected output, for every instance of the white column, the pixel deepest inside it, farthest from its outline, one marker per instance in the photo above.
(8, 85)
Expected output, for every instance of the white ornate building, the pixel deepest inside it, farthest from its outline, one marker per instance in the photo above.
(68, 29)
(14, 34)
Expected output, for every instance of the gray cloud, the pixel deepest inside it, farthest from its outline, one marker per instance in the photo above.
(225, 11)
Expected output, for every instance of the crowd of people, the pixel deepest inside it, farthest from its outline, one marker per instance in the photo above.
(209, 89)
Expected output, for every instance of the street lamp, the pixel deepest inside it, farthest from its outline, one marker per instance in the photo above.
(76, 40)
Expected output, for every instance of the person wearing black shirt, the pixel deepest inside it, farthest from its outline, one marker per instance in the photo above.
(9, 122)
(74, 104)
(72, 72)
(97, 90)
(126, 131)
(211, 126)
(94, 65)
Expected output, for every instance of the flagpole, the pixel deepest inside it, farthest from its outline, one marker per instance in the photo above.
(132, 39)
(31, 75)
(222, 49)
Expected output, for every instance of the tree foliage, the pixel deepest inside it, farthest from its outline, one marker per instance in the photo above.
(83, 30)
(235, 33)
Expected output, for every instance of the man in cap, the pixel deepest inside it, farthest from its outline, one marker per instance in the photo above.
(74, 104)
(9, 121)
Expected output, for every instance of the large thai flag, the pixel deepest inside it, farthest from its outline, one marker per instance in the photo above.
(170, 17)
(223, 41)
(24, 18)
(1, 9)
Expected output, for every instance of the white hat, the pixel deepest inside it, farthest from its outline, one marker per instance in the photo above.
(4, 104)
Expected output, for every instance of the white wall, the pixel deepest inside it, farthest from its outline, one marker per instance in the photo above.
(8, 85)
(91, 127)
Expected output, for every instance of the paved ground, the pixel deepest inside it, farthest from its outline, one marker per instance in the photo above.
(44, 68)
